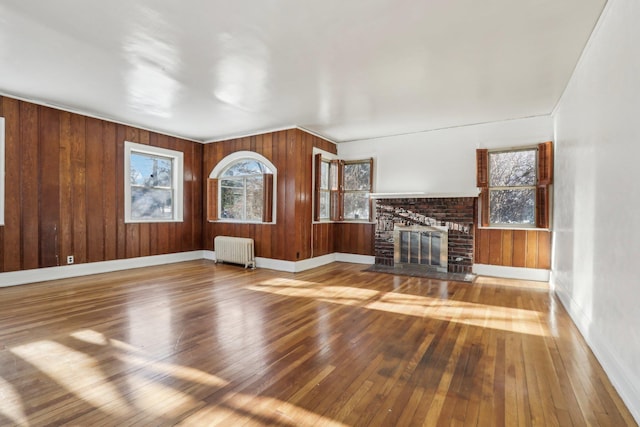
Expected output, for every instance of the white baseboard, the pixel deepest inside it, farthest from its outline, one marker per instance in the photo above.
(626, 383)
(534, 274)
(53, 273)
(355, 259)
(305, 264)
(13, 278)
(308, 264)
(276, 264)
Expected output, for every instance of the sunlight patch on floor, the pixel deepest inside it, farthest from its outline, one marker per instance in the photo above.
(75, 371)
(157, 399)
(81, 374)
(511, 283)
(121, 345)
(11, 406)
(90, 336)
(177, 371)
(240, 408)
(495, 317)
(489, 316)
(297, 288)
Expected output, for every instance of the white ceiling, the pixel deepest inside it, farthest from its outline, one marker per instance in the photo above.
(345, 69)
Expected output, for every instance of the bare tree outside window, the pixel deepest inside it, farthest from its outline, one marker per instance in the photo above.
(357, 186)
(151, 186)
(153, 183)
(324, 211)
(512, 187)
(342, 189)
(242, 191)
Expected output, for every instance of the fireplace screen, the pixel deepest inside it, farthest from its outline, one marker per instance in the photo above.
(421, 246)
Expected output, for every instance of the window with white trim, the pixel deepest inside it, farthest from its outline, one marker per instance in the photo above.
(324, 198)
(342, 189)
(153, 183)
(357, 181)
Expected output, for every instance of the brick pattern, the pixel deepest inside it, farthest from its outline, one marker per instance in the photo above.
(457, 213)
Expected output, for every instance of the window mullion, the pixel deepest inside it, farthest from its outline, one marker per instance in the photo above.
(244, 197)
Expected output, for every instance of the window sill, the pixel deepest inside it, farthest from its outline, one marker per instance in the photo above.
(152, 221)
(512, 228)
(344, 222)
(231, 221)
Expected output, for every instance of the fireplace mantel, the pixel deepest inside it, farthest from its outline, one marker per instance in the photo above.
(421, 195)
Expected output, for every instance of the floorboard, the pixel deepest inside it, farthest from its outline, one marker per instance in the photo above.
(197, 343)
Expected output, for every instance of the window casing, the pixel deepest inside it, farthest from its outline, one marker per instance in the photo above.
(342, 189)
(514, 186)
(153, 184)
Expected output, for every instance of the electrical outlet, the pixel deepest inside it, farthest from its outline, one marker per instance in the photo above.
(70, 259)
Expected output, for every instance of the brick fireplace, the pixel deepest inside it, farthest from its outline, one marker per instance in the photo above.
(455, 214)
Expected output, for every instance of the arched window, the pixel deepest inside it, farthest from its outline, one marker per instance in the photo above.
(241, 188)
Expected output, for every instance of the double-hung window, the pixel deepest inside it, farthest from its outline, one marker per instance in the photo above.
(514, 186)
(324, 197)
(357, 187)
(153, 183)
(342, 189)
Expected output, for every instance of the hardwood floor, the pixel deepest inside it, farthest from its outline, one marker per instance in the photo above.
(202, 344)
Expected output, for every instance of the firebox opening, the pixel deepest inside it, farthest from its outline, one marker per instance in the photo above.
(424, 246)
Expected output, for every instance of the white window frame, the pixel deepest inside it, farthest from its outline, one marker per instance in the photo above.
(1, 171)
(499, 188)
(243, 179)
(229, 160)
(326, 191)
(326, 156)
(330, 156)
(177, 180)
(368, 192)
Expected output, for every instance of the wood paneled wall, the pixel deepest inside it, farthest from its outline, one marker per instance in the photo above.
(291, 152)
(65, 191)
(513, 248)
(354, 238)
(349, 238)
(323, 238)
(290, 238)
